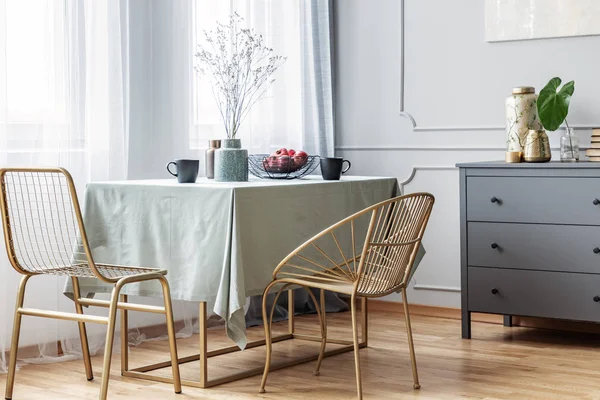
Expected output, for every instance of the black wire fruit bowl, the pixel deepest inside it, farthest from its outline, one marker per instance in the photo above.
(265, 166)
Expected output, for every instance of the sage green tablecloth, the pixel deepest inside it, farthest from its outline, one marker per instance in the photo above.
(219, 241)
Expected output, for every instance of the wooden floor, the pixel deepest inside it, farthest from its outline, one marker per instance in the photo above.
(498, 363)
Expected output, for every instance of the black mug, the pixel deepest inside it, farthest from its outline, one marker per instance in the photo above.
(187, 170)
(332, 168)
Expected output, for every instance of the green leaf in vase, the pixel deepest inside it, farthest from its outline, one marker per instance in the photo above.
(553, 104)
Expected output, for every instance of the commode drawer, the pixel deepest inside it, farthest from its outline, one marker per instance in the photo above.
(534, 293)
(534, 200)
(566, 248)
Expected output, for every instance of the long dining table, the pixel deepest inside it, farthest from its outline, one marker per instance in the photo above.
(220, 243)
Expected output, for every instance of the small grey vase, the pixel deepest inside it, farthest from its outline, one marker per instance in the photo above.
(231, 162)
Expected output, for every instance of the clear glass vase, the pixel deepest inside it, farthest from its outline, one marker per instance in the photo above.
(569, 146)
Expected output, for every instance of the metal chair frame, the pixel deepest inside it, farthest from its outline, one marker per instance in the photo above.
(43, 229)
(384, 266)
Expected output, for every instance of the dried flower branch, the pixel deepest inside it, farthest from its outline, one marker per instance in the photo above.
(241, 69)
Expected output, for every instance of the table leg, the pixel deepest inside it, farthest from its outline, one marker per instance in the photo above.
(508, 320)
(365, 321)
(124, 337)
(203, 345)
(204, 354)
(291, 326)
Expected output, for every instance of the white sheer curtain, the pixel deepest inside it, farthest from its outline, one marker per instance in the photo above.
(297, 109)
(63, 102)
(65, 84)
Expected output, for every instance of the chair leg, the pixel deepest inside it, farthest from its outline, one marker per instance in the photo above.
(356, 347)
(85, 348)
(323, 321)
(171, 331)
(110, 337)
(267, 324)
(267, 340)
(411, 346)
(321, 324)
(14, 346)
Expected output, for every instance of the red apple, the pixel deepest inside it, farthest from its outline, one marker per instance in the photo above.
(299, 161)
(281, 152)
(284, 162)
(271, 162)
(301, 154)
(291, 152)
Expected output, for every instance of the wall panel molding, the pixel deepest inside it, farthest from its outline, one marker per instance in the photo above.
(435, 288)
(431, 148)
(418, 148)
(442, 128)
(408, 180)
(413, 173)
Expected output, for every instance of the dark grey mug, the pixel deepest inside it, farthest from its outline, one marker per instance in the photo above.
(187, 170)
(332, 168)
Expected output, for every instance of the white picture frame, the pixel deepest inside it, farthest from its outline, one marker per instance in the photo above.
(507, 20)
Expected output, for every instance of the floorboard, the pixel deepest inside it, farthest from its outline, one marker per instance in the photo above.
(498, 363)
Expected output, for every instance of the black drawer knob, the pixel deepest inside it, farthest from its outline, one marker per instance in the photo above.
(596, 202)
(596, 250)
(494, 245)
(596, 298)
(495, 291)
(495, 200)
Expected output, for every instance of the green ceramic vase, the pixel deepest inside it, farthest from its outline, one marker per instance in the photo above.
(231, 162)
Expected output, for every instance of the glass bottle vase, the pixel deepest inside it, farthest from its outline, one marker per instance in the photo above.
(569, 146)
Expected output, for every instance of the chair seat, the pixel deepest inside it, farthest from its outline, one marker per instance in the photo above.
(314, 282)
(83, 270)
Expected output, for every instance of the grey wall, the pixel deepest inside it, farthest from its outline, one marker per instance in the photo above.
(419, 90)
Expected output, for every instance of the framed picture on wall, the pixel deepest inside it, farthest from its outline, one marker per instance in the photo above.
(534, 19)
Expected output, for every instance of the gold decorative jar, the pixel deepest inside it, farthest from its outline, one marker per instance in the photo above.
(514, 156)
(537, 146)
(521, 116)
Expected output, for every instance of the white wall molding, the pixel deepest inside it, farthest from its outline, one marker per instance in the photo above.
(444, 128)
(430, 148)
(436, 288)
(417, 148)
(401, 26)
(408, 180)
(412, 174)
(458, 128)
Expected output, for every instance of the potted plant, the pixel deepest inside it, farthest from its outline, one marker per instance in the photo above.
(241, 69)
(553, 108)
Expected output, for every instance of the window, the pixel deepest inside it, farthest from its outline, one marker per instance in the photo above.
(276, 120)
(35, 112)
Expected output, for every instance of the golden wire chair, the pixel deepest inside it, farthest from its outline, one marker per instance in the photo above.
(44, 234)
(331, 261)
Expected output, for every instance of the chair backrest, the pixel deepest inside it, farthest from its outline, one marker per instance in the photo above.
(393, 238)
(43, 227)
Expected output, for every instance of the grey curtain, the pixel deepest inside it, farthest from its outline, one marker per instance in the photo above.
(317, 82)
